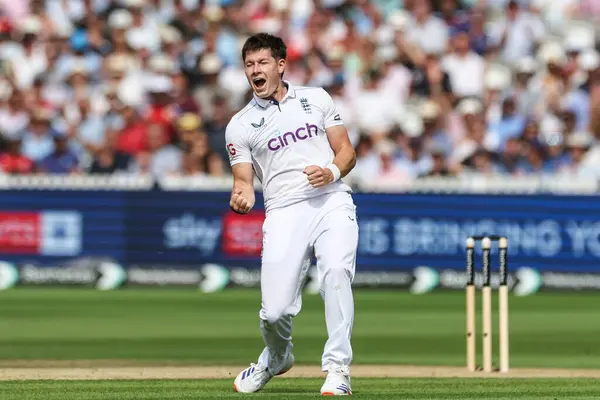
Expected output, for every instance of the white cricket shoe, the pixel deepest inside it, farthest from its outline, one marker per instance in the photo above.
(337, 382)
(255, 377)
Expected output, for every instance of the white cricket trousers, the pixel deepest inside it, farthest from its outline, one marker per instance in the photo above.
(325, 226)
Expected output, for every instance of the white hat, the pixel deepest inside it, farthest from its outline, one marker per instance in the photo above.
(117, 63)
(551, 52)
(159, 84)
(386, 53)
(579, 36)
(497, 77)
(210, 64)
(213, 13)
(78, 67)
(526, 65)
(551, 124)
(280, 5)
(384, 35)
(31, 25)
(429, 110)
(336, 53)
(550, 130)
(162, 64)
(589, 60)
(469, 106)
(129, 93)
(120, 19)
(399, 19)
(411, 124)
(133, 3)
(64, 31)
(169, 34)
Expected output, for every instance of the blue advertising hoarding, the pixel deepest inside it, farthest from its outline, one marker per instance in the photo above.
(398, 232)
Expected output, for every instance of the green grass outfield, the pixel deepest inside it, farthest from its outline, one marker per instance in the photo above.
(186, 327)
(458, 389)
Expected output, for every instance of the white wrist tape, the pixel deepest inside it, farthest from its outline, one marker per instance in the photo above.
(335, 171)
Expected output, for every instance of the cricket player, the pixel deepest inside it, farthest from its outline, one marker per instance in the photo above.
(295, 142)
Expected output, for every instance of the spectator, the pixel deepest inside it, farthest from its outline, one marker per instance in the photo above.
(455, 18)
(579, 165)
(14, 117)
(517, 33)
(37, 142)
(12, 161)
(478, 36)
(165, 158)
(132, 137)
(382, 113)
(31, 59)
(481, 162)
(431, 80)
(89, 132)
(161, 110)
(510, 125)
(434, 135)
(62, 160)
(367, 161)
(429, 32)
(439, 165)
(148, 86)
(110, 160)
(143, 33)
(465, 68)
(215, 126)
(209, 67)
(389, 173)
(188, 128)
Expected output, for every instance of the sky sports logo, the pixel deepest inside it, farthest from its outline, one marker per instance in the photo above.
(288, 138)
(49, 233)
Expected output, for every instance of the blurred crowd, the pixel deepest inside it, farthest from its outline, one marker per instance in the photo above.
(425, 87)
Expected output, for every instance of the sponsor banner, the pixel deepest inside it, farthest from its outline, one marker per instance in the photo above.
(242, 234)
(20, 233)
(99, 273)
(398, 232)
(52, 226)
(105, 274)
(46, 233)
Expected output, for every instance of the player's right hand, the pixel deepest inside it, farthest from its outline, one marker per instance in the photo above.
(240, 203)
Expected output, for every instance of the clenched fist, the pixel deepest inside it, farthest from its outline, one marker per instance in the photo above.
(317, 176)
(241, 203)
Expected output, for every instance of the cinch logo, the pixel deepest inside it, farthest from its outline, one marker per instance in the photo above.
(301, 133)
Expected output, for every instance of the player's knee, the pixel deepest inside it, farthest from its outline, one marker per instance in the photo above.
(336, 277)
(273, 315)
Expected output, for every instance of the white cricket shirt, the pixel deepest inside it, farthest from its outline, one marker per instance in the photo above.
(282, 139)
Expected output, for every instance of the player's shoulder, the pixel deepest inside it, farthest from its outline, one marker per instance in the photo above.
(314, 95)
(244, 113)
(310, 91)
(239, 118)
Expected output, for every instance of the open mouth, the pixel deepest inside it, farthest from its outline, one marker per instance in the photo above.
(259, 83)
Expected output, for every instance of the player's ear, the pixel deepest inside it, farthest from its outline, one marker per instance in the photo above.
(281, 66)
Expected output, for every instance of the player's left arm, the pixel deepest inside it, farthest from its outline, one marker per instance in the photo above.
(345, 156)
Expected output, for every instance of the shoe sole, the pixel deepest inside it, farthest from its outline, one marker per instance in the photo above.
(280, 373)
(333, 394)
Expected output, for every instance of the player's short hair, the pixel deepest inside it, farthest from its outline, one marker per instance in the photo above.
(262, 41)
